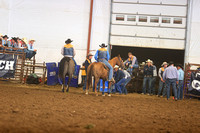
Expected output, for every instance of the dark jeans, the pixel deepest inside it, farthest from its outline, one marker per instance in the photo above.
(83, 79)
(145, 81)
(180, 89)
(162, 85)
(170, 82)
(119, 85)
(153, 85)
(124, 90)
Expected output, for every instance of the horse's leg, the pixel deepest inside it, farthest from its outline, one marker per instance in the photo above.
(103, 93)
(69, 80)
(96, 82)
(109, 86)
(63, 84)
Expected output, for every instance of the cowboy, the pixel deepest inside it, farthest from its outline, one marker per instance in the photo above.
(170, 76)
(131, 63)
(119, 79)
(5, 41)
(24, 43)
(127, 80)
(68, 51)
(13, 42)
(31, 51)
(148, 74)
(162, 84)
(180, 82)
(87, 63)
(102, 55)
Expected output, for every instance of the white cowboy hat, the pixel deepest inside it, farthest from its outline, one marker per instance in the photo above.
(164, 63)
(25, 40)
(149, 61)
(143, 63)
(32, 40)
(116, 66)
(1, 35)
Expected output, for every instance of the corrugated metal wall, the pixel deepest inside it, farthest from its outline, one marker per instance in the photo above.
(149, 23)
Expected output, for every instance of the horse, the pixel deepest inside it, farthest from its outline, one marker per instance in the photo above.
(66, 68)
(100, 71)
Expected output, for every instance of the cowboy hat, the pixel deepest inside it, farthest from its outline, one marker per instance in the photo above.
(32, 40)
(24, 40)
(15, 39)
(164, 63)
(1, 35)
(143, 63)
(116, 66)
(68, 41)
(149, 61)
(179, 65)
(103, 45)
(90, 54)
(5, 36)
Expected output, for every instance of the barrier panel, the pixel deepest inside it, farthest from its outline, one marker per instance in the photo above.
(52, 75)
(101, 86)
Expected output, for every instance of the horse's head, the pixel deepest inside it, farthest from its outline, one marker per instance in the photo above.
(120, 62)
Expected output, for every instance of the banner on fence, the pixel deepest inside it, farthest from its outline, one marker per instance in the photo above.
(7, 65)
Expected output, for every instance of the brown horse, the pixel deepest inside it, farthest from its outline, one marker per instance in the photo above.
(100, 71)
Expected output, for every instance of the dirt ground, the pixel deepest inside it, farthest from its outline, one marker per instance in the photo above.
(37, 108)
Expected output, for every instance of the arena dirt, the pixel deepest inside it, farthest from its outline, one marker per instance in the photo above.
(37, 108)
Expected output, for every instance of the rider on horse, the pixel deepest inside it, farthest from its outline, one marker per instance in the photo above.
(102, 55)
(68, 51)
(131, 63)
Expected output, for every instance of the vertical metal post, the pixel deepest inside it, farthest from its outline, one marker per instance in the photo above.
(188, 30)
(90, 27)
(110, 24)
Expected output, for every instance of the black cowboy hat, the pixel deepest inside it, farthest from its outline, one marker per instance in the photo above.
(68, 41)
(179, 65)
(103, 45)
(15, 39)
(5, 36)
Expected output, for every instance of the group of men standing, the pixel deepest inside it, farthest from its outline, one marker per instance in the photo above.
(168, 75)
(19, 45)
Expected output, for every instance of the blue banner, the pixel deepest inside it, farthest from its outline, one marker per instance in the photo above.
(7, 65)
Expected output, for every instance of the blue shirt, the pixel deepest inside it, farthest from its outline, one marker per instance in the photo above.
(30, 47)
(170, 73)
(180, 74)
(119, 75)
(102, 54)
(6, 42)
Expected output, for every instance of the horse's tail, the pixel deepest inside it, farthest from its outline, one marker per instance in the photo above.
(89, 75)
(62, 66)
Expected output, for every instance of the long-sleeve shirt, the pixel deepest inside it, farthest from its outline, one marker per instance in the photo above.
(170, 73)
(87, 63)
(30, 47)
(148, 70)
(127, 75)
(132, 61)
(63, 52)
(180, 74)
(119, 75)
(6, 43)
(154, 71)
(102, 52)
(160, 72)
